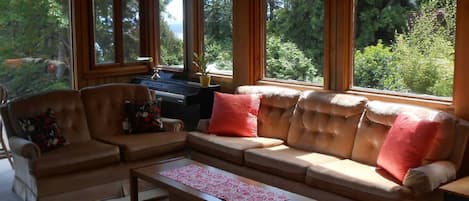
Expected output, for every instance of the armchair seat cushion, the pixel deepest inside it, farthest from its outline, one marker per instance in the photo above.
(228, 148)
(75, 157)
(357, 180)
(285, 161)
(138, 146)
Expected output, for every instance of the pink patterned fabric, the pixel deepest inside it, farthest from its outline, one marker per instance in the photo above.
(220, 185)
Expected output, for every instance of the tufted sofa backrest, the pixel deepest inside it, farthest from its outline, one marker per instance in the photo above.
(276, 109)
(326, 122)
(380, 116)
(68, 108)
(104, 106)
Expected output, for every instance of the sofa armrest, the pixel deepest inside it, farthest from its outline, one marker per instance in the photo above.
(428, 177)
(202, 126)
(24, 148)
(174, 125)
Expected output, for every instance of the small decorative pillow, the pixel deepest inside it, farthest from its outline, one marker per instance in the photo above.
(143, 117)
(43, 130)
(235, 115)
(406, 144)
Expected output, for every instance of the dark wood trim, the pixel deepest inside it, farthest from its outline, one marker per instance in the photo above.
(343, 45)
(461, 69)
(118, 32)
(257, 11)
(327, 64)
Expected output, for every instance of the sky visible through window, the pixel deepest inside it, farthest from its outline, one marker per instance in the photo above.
(174, 16)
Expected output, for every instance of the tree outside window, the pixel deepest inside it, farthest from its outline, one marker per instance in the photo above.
(405, 47)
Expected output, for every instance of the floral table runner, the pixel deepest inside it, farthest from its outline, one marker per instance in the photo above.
(220, 185)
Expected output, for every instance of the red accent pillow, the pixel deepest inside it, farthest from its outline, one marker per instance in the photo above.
(235, 115)
(406, 144)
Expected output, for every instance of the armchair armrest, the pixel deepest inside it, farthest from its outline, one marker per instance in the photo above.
(202, 126)
(428, 177)
(173, 125)
(24, 148)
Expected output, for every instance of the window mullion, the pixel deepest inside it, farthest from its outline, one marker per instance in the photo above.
(118, 37)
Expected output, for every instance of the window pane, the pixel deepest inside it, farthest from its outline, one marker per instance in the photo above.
(103, 31)
(131, 30)
(405, 46)
(218, 30)
(35, 46)
(171, 33)
(294, 40)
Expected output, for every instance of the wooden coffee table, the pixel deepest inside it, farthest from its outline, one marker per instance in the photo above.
(179, 191)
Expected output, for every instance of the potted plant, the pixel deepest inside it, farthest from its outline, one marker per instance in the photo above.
(200, 66)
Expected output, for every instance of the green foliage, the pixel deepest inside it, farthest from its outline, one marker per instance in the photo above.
(30, 78)
(172, 48)
(218, 31)
(38, 30)
(426, 53)
(421, 60)
(375, 68)
(286, 61)
(300, 22)
(380, 19)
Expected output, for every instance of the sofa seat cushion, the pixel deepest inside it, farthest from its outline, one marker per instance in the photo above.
(228, 148)
(357, 180)
(139, 146)
(75, 157)
(285, 161)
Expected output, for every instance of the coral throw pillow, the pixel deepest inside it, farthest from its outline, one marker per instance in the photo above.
(43, 130)
(143, 117)
(235, 115)
(406, 144)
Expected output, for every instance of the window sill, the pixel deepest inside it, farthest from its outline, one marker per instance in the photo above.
(297, 86)
(115, 71)
(445, 105)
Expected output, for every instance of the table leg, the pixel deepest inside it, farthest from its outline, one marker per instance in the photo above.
(133, 187)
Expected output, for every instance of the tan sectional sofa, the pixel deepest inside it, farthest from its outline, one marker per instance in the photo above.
(325, 145)
(95, 164)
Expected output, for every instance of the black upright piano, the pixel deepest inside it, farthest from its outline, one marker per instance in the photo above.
(182, 99)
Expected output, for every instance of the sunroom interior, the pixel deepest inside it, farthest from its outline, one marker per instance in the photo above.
(410, 51)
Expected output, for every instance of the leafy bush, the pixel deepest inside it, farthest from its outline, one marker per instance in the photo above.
(285, 61)
(375, 67)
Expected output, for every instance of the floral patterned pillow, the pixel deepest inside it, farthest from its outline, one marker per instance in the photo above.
(43, 130)
(143, 117)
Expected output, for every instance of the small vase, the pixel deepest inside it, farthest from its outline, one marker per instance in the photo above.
(204, 80)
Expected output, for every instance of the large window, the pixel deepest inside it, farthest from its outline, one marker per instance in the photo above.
(405, 47)
(35, 47)
(116, 27)
(171, 26)
(294, 40)
(218, 39)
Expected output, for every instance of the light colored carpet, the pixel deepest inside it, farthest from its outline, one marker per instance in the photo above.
(6, 181)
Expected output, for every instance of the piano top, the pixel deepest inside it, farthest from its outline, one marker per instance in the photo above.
(182, 87)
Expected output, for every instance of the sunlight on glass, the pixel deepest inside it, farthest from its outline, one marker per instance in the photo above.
(407, 47)
(172, 33)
